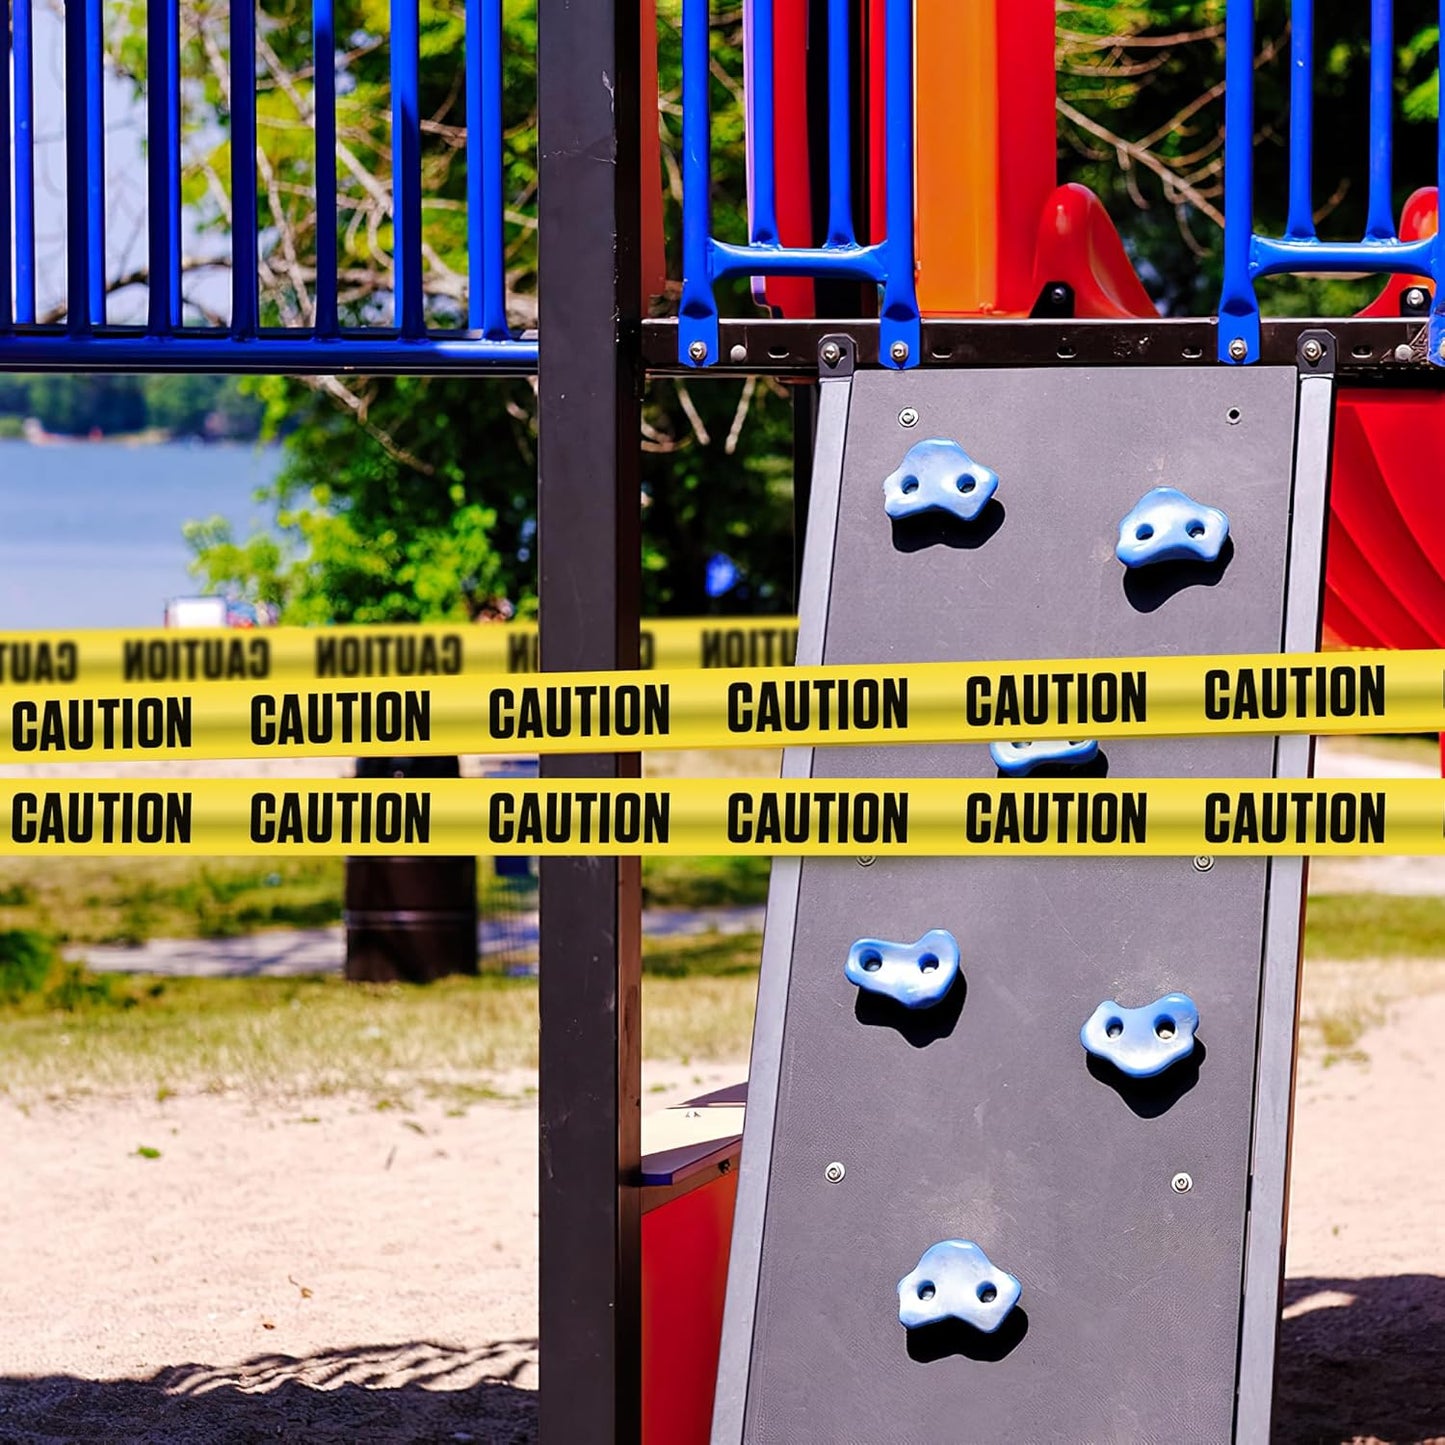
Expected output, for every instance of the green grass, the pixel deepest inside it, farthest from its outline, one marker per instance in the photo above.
(1374, 925)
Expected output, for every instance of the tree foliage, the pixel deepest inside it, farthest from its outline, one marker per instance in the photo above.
(415, 498)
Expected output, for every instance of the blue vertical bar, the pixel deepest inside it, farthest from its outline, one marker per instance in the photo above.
(7, 236)
(245, 266)
(323, 53)
(1437, 311)
(899, 329)
(159, 144)
(1301, 223)
(77, 189)
(697, 309)
(762, 88)
(840, 119)
(24, 164)
(1380, 220)
(486, 235)
(1238, 308)
(173, 157)
(95, 155)
(406, 167)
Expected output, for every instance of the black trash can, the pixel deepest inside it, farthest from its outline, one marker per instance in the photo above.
(410, 920)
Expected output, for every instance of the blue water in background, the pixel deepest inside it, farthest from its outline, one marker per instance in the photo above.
(90, 532)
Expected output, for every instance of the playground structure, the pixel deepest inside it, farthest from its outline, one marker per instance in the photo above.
(977, 1131)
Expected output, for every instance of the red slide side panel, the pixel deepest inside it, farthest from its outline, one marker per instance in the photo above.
(1077, 243)
(791, 296)
(1385, 560)
(685, 1246)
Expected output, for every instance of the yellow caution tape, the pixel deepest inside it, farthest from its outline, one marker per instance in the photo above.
(849, 817)
(288, 656)
(705, 708)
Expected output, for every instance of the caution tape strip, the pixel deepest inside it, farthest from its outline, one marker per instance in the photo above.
(288, 656)
(850, 817)
(1364, 692)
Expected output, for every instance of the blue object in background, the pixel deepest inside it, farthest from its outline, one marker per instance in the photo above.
(1248, 256)
(706, 260)
(1018, 760)
(1167, 525)
(1142, 1042)
(722, 575)
(937, 475)
(916, 975)
(955, 1280)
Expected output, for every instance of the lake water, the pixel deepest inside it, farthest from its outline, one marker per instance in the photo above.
(90, 532)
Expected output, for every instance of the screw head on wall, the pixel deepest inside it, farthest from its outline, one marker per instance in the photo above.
(1415, 298)
(1312, 350)
(1239, 348)
(831, 353)
(908, 416)
(738, 354)
(1203, 863)
(698, 351)
(1181, 1183)
(834, 1173)
(899, 351)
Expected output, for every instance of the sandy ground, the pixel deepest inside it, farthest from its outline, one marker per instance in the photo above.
(275, 1273)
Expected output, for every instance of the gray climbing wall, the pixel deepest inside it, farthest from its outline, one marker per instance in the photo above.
(983, 1118)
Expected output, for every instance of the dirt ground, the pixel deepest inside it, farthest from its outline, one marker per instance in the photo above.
(275, 1272)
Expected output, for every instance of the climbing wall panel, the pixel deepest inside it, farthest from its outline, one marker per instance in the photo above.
(877, 1131)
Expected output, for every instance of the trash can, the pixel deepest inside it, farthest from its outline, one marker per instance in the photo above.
(410, 920)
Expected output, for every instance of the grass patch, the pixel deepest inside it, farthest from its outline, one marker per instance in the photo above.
(713, 955)
(1374, 925)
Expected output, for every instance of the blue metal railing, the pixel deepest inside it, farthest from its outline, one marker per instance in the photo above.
(1248, 256)
(706, 260)
(85, 340)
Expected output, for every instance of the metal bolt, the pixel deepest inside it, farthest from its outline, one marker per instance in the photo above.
(1204, 862)
(1181, 1183)
(867, 861)
(832, 353)
(908, 417)
(1404, 352)
(738, 354)
(698, 351)
(899, 351)
(1239, 348)
(1415, 298)
(1312, 350)
(834, 1173)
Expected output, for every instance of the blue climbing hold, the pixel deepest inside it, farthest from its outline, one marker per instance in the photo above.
(1018, 760)
(1142, 1042)
(938, 476)
(917, 975)
(955, 1280)
(1165, 525)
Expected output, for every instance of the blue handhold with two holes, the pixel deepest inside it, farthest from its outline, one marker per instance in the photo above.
(1166, 525)
(917, 975)
(1018, 760)
(1143, 1042)
(937, 475)
(955, 1280)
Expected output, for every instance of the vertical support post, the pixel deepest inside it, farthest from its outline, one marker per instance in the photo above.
(589, 558)
(762, 123)
(900, 333)
(245, 263)
(159, 144)
(173, 158)
(486, 237)
(24, 40)
(1380, 217)
(7, 235)
(840, 121)
(1238, 308)
(323, 59)
(95, 157)
(1300, 225)
(697, 307)
(77, 190)
(406, 167)
(1437, 310)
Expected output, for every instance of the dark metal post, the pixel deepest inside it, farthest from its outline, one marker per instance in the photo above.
(589, 559)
